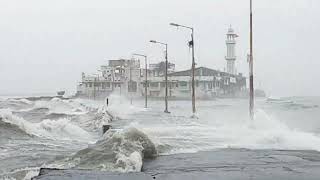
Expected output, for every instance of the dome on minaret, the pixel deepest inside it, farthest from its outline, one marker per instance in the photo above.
(230, 30)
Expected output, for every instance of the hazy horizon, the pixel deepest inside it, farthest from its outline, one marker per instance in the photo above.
(45, 45)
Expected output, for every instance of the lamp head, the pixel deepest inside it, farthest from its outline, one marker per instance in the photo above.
(153, 41)
(174, 24)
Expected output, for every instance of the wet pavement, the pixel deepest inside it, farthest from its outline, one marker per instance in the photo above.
(222, 164)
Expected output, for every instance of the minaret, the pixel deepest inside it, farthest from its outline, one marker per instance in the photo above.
(231, 53)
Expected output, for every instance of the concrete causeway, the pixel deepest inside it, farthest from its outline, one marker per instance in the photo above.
(222, 164)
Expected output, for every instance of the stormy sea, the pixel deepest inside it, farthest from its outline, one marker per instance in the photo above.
(63, 133)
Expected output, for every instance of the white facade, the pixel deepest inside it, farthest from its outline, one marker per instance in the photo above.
(126, 78)
(231, 52)
(209, 83)
(119, 76)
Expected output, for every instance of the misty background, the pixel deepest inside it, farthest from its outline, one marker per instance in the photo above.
(45, 45)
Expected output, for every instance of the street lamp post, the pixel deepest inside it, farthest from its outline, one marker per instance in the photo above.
(251, 103)
(191, 44)
(146, 80)
(166, 75)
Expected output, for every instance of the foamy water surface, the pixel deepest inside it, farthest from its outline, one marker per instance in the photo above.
(66, 133)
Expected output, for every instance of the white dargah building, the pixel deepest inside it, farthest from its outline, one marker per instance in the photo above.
(126, 77)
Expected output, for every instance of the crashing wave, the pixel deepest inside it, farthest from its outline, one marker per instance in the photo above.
(265, 132)
(21, 173)
(100, 119)
(117, 151)
(121, 107)
(21, 100)
(54, 116)
(55, 129)
(16, 104)
(174, 134)
(9, 131)
(61, 106)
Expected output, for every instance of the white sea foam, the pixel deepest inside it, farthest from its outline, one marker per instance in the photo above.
(120, 106)
(29, 172)
(131, 163)
(265, 132)
(217, 126)
(57, 105)
(117, 151)
(182, 134)
(22, 100)
(56, 129)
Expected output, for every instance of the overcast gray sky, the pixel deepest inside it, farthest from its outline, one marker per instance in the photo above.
(46, 44)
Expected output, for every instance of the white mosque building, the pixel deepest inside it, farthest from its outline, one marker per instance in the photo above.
(127, 77)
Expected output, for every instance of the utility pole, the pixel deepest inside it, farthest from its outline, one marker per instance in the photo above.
(251, 103)
(166, 74)
(191, 44)
(193, 74)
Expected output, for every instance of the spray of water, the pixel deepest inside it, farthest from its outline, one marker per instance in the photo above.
(55, 129)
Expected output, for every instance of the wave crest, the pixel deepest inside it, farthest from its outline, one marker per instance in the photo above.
(61, 106)
(54, 129)
(118, 151)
